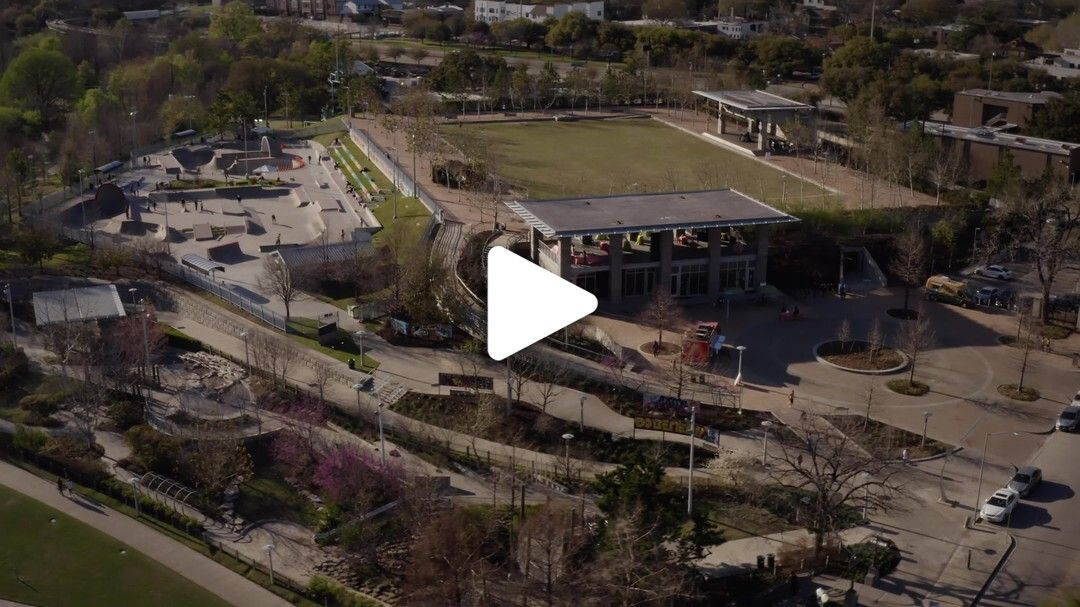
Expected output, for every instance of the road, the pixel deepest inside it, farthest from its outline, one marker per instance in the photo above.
(1047, 532)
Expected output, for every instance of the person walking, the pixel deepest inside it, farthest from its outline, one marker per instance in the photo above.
(791, 399)
(60, 485)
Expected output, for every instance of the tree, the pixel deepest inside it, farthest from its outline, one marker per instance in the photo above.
(782, 55)
(571, 29)
(837, 474)
(547, 543)
(637, 566)
(662, 312)
(915, 337)
(418, 54)
(861, 61)
(18, 166)
(943, 235)
(42, 79)
(1060, 119)
(1043, 218)
(928, 12)
(36, 245)
(449, 559)
(664, 10)
(276, 279)
(214, 464)
(909, 260)
(236, 22)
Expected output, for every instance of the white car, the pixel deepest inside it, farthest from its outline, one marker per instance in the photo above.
(1000, 505)
(999, 272)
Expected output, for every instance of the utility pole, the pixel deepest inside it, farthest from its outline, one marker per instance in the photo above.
(690, 478)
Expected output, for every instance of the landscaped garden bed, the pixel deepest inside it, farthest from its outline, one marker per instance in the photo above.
(483, 415)
(885, 441)
(860, 356)
(1021, 393)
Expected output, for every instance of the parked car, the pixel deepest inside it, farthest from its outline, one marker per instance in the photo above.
(986, 296)
(999, 272)
(943, 288)
(1076, 400)
(1069, 418)
(1025, 479)
(1000, 505)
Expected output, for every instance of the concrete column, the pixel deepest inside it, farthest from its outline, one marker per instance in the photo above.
(534, 244)
(762, 138)
(762, 261)
(564, 256)
(714, 262)
(720, 119)
(615, 254)
(665, 239)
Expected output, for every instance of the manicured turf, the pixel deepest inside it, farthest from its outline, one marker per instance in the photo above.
(601, 157)
(68, 563)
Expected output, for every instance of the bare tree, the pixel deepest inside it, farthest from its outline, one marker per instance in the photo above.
(909, 261)
(277, 279)
(449, 558)
(1044, 219)
(548, 382)
(638, 568)
(875, 337)
(662, 312)
(843, 334)
(915, 337)
(944, 170)
(838, 475)
(547, 543)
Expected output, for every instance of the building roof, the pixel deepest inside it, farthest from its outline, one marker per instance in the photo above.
(77, 305)
(1040, 97)
(314, 255)
(994, 137)
(752, 101)
(625, 213)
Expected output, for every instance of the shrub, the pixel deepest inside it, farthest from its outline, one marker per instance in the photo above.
(42, 404)
(28, 439)
(157, 451)
(126, 413)
(180, 340)
(13, 367)
(324, 588)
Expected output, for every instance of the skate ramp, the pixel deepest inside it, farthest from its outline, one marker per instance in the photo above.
(108, 202)
(193, 158)
(228, 253)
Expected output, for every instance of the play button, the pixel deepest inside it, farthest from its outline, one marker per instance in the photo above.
(526, 303)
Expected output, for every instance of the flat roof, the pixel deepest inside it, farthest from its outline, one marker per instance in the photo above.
(985, 135)
(1040, 97)
(625, 213)
(753, 101)
(77, 305)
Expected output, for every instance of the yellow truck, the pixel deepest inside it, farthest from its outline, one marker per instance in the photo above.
(943, 288)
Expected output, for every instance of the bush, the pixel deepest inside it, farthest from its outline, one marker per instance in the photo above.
(126, 413)
(28, 439)
(14, 366)
(912, 388)
(182, 341)
(157, 451)
(42, 405)
(325, 588)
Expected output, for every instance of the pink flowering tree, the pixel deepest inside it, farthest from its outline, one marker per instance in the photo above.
(354, 479)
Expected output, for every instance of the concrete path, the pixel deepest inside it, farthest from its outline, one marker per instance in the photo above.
(201, 570)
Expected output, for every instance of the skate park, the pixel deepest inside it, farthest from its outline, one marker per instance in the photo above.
(286, 201)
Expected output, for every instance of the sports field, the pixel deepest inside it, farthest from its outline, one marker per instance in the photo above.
(600, 157)
(49, 558)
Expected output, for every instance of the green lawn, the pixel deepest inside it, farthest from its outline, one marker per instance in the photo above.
(267, 495)
(305, 331)
(48, 558)
(603, 157)
(410, 43)
(77, 255)
(412, 215)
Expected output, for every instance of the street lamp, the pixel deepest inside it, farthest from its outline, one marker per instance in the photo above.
(269, 548)
(382, 439)
(925, 420)
(982, 462)
(135, 493)
(738, 375)
(146, 345)
(360, 340)
(132, 115)
(567, 438)
(11, 310)
(866, 492)
(247, 358)
(581, 420)
(132, 291)
(975, 243)
(765, 448)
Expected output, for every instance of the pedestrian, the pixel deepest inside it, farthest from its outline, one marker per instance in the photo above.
(60, 485)
(273, 219)
(278, 241)
(794, 584)
(798, 460)
(904, 455)
(791, 399)
(70, 487)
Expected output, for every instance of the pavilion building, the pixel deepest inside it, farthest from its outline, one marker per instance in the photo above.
(697, 244)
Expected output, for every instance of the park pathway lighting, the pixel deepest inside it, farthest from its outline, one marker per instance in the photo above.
(247, 357)
(135, 493)
(132, 291)
(765, 448)
(690, 469)
(269, 548)
(925, 420)
(567, 438)
(738, 374)
(581, 419)
(11, 311)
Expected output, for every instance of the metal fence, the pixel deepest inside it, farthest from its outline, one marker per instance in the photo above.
(382, 161)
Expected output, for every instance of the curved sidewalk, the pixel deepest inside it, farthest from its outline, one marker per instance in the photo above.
(200, 569)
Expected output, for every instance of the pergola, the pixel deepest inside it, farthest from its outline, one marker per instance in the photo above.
(761, 111)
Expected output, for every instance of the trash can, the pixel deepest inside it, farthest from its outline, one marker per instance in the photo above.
(760, 562)
(770, 561)
(352, 364)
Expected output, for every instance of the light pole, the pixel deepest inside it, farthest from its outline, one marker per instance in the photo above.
(132, 115)
(146, 344)
(738, 375)
(360, 341)
(765, 448)
(135, 493)
(93, 148)
(925, 420)
(132, 291)
(866, 492)
(690, 470)
(247, 357)
(382, 439)
(269, 548)
(581, 419)
(982, 463)
(975, 243)
(567, 438)
(11, 311)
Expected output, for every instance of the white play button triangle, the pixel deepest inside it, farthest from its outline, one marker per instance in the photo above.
(526, 303)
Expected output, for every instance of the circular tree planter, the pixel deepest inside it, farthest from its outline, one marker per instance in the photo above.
(854, 356)
(666, 348)
(902, 314)
(1015, 392)
(908, 388)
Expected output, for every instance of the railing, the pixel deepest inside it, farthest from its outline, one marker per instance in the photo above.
(382, 161)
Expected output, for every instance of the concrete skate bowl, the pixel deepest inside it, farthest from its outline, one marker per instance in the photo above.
(268, 159)
(193, 158)
(139, 228)
(108, 201)
(228, 253)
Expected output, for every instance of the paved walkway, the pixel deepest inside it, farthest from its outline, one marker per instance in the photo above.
(201, 570)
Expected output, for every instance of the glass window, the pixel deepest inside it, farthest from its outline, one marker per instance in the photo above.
(638, 282)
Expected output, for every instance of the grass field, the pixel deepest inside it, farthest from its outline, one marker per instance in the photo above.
(48, 558)
(594, 157)
(412, 215)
